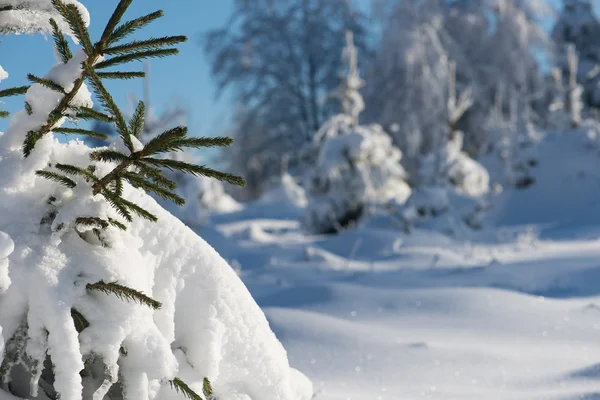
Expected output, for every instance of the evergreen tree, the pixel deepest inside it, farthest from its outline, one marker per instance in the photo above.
(50, 100)
(355, 166)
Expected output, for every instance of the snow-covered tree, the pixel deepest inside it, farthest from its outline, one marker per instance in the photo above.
(567, 106)
(578, 25)
(280, 59)
(103, 294)
(489, 40)
(355, 166)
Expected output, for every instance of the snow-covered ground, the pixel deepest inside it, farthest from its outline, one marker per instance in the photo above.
(508, 312)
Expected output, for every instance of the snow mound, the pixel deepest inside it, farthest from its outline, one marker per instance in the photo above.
(285, 191)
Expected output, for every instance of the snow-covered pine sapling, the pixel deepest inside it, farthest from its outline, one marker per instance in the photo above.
(140, 166)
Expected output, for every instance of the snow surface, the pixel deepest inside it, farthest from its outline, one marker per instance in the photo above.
(35, 16)
(508, 312)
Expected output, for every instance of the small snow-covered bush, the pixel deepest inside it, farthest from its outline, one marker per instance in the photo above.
(357, 168)
(353, 166)
(103, 293)
(451, 165)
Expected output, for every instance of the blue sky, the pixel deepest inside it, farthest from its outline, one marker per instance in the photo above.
(183, 80)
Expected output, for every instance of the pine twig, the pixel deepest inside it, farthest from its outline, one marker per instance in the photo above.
(181, 387)
(125, 293)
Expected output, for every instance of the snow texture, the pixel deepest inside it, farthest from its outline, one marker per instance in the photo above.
(31, 16)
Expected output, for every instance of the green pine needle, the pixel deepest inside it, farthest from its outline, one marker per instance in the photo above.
(89, 114)
(60, 42)
(87, 174)
(136, 124)
(4, 114)
(154, 43)
(109, 104)
(156, 175)
(92, 222)
(137, 56)
(14, 91)
(181, 387)
(139, 210)
(47, 83)
(197, 170)
(117, 224)
(129, 27)
(115, 19)
(84, 132)
(121, 75)
(207, 389)
(139, 182)
(28, 108)
(79, 320)
(107, 155)
(117, 203)
(125, 293)
(53, 176)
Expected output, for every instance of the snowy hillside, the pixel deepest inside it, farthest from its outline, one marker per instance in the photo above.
(509, 312)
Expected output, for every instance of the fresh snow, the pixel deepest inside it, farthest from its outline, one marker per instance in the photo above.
(511, 311)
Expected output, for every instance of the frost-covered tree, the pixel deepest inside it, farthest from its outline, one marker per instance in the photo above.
(103, 294)
(280, 60)
(567, 105)
(489, 40)
(578, 25)
(355, 166)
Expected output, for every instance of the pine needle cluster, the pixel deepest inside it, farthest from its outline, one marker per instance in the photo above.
(142, 167)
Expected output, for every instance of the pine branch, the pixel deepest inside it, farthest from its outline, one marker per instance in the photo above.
(28, 108)
(116, 203)
(154, 43)
(121, 75)
(87, 174)
(60, 42)
(53, 176)
(157, 143)
(207, 389)
(181, 144)
(78, 131)
(109, 103)
(4, 114)
(117, 224)
(107, 155)
(138, 181)
(197, 170)
(156, 175)
(47, 83)
(181, 387)
(92, 222)
(129, 27)
(14, 91)
(139, 210)
(136, 124)
(89, 114)
(115, 19)
(79, 320)
(137, 56)
(74, 19)
(125, 293)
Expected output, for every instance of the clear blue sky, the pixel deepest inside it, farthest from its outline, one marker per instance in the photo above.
(184, 80)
